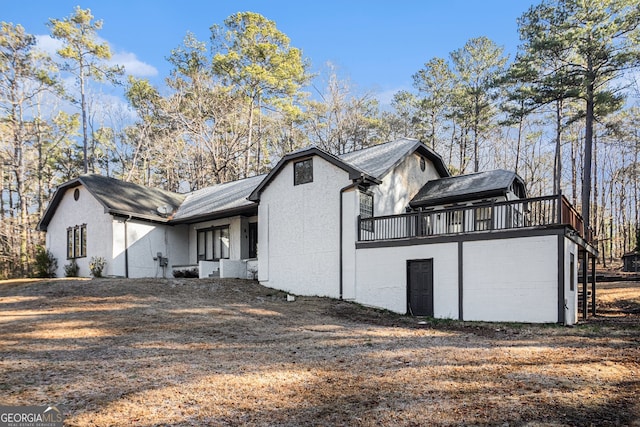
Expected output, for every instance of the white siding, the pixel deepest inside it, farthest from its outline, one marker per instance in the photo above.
(571, 296)
(69, 213)
(511, 280)
(390, 197)
(401, 184)
(299, 231)
(145, 240)
(382, 277)
(350, 211)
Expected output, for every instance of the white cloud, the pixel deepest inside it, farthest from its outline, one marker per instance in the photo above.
(48, 44)
(385, 97)
(133, 65)
(128, 60)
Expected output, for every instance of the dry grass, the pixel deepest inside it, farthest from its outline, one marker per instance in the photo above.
(199, 352)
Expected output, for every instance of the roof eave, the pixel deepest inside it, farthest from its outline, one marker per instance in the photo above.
(248, 210)
(43, 224)
(135, 215)
(354, 173)
(458, 199)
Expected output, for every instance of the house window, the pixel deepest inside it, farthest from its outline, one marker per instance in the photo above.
(213, 243)
(77, 241)
(253, 240)
(366, 210)
(483, 218)
(303, 172)
(572, 273)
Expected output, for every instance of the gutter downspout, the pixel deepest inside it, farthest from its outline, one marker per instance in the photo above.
(126, 249)
(354, 184)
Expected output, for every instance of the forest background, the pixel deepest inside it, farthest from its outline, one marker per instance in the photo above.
(562, 113)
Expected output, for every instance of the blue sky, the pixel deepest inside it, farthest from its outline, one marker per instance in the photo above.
(377, 45)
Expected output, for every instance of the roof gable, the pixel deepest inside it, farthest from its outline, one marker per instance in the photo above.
(119, 198)
(380, 159)
(466, 187)
(371, 163)
(354, 173)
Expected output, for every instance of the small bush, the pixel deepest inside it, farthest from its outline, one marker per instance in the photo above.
(189, 273)
(71, 270)
(96, 265)
(193, 273)
(46, 263)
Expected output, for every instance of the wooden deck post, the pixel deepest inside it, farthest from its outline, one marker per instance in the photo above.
(593, 286)
(585, 279)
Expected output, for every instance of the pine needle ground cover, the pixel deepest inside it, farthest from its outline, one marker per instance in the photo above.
(189, 352)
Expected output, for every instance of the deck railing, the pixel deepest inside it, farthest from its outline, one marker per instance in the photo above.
(515, 214)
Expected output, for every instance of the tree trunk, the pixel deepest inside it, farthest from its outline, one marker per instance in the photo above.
(595, 183)
(476, 140)
(249, 137)
(557, 160)
(83, 106)
(520, 122)
(588, 142)
(574, 170)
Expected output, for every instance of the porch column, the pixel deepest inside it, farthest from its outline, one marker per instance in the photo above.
(593, 286)
(585, 279)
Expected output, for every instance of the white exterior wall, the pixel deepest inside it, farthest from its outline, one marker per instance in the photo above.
(350, 211)
(390, 197)
(381, 275)
(86, 210)
(571, 296)
(299, 230)
(400, 185)
(511, 280)
(144, 240)
(238, 233)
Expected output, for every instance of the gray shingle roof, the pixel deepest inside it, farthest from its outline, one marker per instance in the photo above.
(119, 198)
(129, 198)
(217, 198)
(125, 198)
(465, 187)
(380, 159)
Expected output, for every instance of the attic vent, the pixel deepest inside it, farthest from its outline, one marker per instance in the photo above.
(76, 194)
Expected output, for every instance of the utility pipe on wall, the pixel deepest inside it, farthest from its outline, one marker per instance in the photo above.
(126, 249)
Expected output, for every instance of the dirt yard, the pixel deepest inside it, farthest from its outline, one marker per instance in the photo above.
(189, 352)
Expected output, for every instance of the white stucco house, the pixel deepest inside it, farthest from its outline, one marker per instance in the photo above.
(386, 226)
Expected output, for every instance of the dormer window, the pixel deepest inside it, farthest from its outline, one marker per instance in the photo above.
(303, 172)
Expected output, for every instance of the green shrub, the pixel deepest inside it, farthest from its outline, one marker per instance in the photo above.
(71, 270)
(45, 263)
(96, 265)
